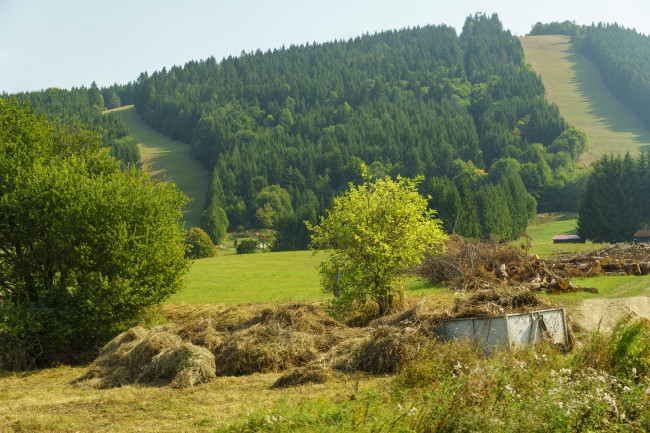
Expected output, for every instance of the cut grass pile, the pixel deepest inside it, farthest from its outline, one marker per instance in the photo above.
(169, 159)
(301, 338)
(575, 85)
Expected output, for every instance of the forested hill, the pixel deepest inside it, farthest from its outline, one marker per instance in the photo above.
(286, 130)
(84, 105)
(573, 82)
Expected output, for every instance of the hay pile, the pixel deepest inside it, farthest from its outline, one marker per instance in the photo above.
(155, 356)
(300, 340)
(304, 375)
(271, 340)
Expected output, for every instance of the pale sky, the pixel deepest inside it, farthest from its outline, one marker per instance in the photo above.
(66, 43)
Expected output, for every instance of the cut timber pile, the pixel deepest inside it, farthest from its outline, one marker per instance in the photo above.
(471, 265)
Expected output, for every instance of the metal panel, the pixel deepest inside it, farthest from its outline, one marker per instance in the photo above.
(555, 321)
(508, 331)
(457, 329)
(491, 333)
(523, 330)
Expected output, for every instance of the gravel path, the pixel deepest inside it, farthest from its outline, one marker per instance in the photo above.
(605, 311)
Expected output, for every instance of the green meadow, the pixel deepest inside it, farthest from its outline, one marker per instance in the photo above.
(293, 276)
(169, 160)
(542, 229)
(263, 277)
(575, 85)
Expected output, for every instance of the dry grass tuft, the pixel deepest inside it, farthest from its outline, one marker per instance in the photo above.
(304, 375)
(264, 348)
(492, 302)
(388, 348)
(184, 365)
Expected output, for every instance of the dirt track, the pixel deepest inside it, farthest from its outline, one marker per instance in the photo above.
(605, 311)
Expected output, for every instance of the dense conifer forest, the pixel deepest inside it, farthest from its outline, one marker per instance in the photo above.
(284, 131)
(614, 205)
(464, 112)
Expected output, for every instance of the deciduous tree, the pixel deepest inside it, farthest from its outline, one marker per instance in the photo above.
(376, 232)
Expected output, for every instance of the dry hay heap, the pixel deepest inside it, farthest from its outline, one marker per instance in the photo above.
(155, 356)
(389, 342)
(300, 340)
(271, 340)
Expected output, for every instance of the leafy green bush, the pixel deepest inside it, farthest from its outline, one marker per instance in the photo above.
(247, 246)
(85, 247)
(199, 244)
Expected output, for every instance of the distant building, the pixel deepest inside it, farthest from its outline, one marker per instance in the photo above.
(642, 237)
(568, 239)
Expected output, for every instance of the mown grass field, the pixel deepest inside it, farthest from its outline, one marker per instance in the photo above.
(575, 85)
(286, 276)
(263, 277)
(169, 159)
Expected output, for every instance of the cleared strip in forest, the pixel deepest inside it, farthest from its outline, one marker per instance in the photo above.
(169, 159)
(575, 85)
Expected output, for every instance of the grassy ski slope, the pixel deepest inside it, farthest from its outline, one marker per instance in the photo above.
(575, 85)
(169, 159)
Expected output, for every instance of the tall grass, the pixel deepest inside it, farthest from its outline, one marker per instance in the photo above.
(449, 387)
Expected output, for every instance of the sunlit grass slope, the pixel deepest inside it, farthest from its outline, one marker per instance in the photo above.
(575, 85)
(242, 278)
(169, 159)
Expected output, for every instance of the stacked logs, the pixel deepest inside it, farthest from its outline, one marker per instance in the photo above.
(611, 266)
(627, 266)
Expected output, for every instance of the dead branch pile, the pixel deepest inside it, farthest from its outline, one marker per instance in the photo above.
(469, 265)
(472, 265)
(618, 259)
(492, 302)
